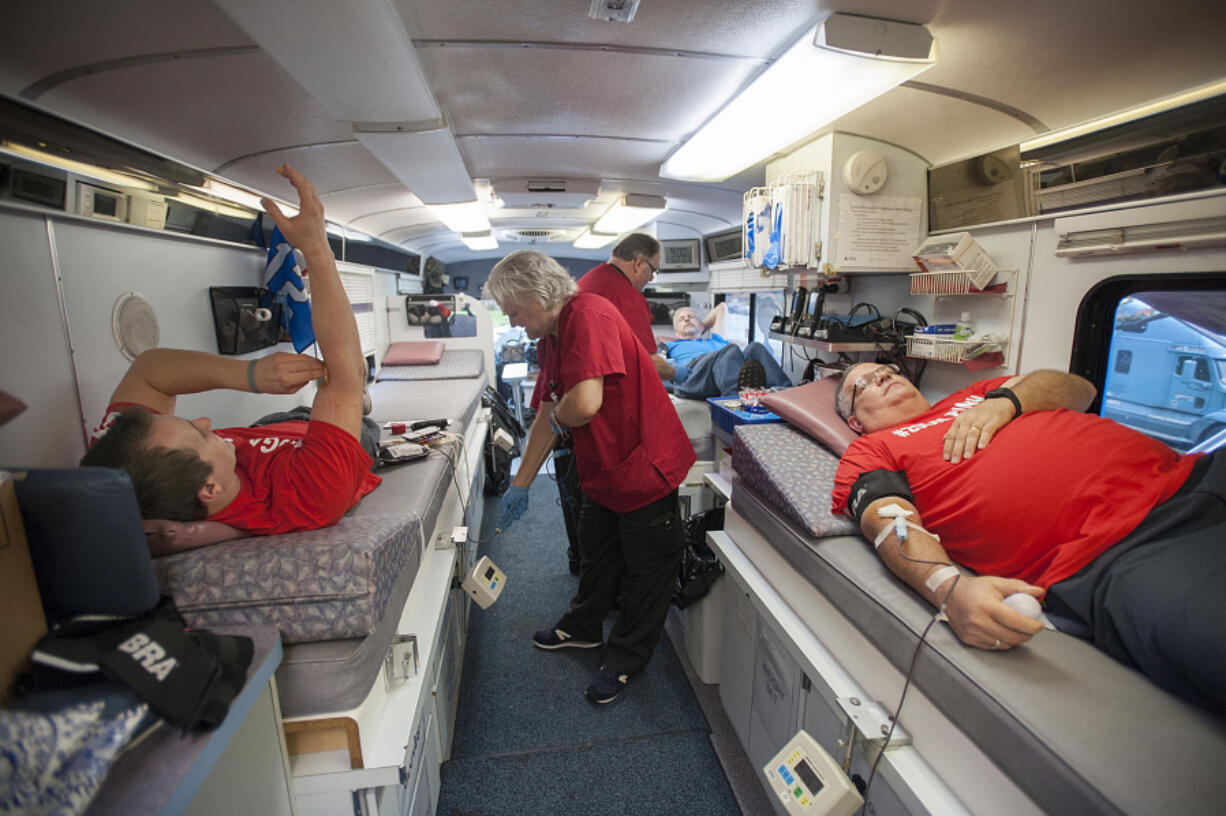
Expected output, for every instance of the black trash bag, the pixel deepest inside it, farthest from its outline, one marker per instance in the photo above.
(699, 566)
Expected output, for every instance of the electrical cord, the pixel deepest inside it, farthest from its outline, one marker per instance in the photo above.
(906, 686)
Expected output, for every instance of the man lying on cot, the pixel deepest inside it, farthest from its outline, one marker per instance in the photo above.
(272, 479)
(1120, 535)
(711, 366)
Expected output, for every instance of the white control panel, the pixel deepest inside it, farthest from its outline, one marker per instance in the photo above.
(808, 781)
(484, 582)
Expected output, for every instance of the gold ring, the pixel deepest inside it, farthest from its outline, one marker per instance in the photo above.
(974, 427)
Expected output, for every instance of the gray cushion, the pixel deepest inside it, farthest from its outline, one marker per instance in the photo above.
(455, 364)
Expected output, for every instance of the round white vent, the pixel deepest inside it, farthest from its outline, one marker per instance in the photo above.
(134, 324)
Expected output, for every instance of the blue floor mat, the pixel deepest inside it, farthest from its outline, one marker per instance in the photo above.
(524, 732)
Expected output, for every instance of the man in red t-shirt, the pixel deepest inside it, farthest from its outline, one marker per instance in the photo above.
(598, 386)
(272, 479)
(1011, 478)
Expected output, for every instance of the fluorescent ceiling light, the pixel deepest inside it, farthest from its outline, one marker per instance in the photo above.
(480, 240)
(80, 168)
(1132, 114)
(466, 217)
(832, 70)
(631, 212)
(593, 240)
(212, 205)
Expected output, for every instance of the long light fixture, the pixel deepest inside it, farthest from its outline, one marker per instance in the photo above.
(468, 216)
(832, 70)
(92, 171)
(629, 212)
(593, 240)
(348, 234)
(1132, 114)
(479, 241)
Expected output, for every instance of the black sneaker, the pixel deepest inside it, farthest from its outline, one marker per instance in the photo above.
(751, 376)
(606, 685)
(557, 639)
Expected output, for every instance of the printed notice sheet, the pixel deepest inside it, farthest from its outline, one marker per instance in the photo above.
(880, 232)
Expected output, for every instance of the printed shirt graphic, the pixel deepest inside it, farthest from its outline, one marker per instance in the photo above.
(1050, 492)
(295, 475)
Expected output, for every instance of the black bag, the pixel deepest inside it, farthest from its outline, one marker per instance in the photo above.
(699, 566)
(497, 460)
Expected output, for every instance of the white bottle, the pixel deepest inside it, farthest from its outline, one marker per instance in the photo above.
(965, 329)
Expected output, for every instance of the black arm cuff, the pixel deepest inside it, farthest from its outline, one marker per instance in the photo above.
(877, 484)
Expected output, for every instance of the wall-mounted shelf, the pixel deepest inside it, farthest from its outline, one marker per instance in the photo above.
(995, 317)
(948, 350)
(824, 345)
(962, 283)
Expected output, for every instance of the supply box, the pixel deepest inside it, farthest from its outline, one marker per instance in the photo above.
(957, 252)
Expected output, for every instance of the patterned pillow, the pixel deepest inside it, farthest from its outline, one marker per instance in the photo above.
(794, 473)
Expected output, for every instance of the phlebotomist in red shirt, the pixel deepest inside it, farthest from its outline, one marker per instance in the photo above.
(620, 280)
(598, 385)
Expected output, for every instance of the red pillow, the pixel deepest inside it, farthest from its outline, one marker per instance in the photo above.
(810, 408)
(414, 352)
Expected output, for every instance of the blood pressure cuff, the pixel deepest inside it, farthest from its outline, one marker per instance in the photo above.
(877, 484)
(188, 677)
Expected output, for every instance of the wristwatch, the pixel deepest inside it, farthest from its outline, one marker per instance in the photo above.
(1009, 395)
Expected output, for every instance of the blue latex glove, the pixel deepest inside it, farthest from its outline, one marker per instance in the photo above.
(514, 503)
(682, 374)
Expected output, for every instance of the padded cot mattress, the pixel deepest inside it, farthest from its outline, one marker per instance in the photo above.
(1076, 731)
(427, 399)
(336, 675)
(455, 364)
(317, 585)
(696, 419)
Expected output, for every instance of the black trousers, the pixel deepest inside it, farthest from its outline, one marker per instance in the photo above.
(570, 494)
(1156, 601)
(638, 553)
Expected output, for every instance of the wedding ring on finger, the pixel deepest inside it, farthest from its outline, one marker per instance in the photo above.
(996, 645)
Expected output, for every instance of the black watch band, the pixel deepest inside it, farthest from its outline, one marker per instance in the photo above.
(1009, 395)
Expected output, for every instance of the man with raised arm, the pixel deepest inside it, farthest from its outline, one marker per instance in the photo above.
(1119, 534)
(271, 479)
(707, 365)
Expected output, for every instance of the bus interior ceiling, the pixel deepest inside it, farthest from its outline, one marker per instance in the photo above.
(538, 90)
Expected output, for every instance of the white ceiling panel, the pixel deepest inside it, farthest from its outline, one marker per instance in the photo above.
(497, 90)
(331, 168)
(44, 37)
(514, 156)
(206, 112)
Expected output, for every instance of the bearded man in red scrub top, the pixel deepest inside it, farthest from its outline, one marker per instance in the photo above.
(598, 385)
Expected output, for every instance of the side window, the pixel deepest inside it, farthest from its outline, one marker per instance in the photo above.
(1164, 373)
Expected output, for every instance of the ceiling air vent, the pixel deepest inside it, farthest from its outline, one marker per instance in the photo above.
(530, 235)
(615, 11)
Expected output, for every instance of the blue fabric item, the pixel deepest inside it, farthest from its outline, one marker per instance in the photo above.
(683, 351)
(774, 250)
(514, 503)
(683, 373)
(284, 284)
(714, 374)
(55, 761)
